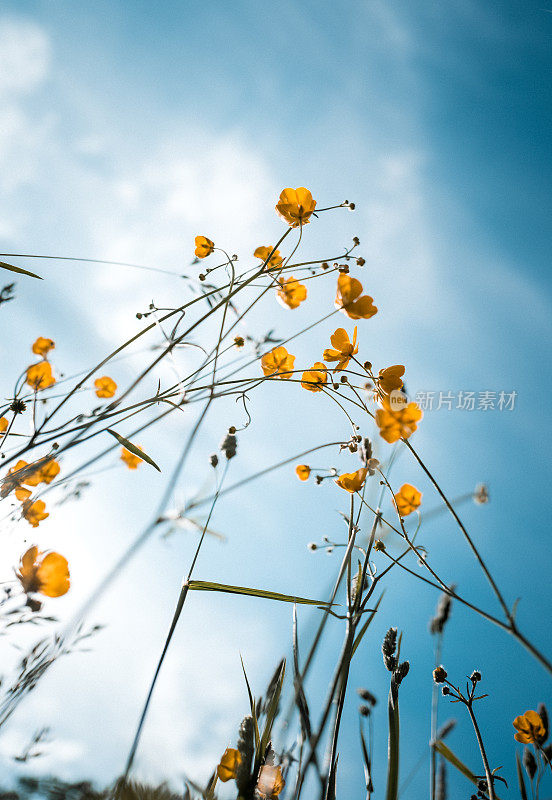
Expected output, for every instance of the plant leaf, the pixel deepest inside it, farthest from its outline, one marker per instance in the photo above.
(447, 753)
(366, 625)
(208, 586)
(133, 449)
(19, 270)
(521, 779)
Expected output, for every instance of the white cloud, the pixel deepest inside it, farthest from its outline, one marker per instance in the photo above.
(25, 56)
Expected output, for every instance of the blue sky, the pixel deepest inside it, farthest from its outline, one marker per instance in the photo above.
(126, 131)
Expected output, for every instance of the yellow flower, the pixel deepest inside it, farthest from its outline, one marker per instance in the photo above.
(203, 246)
(407, 499)
(48, 471)
(303, 471)
(105, 387)
(397, 423)
(40, 376)
(263, 253)
(34, 512)
(229, 763)
(295, 206)
(47, 573)
(530, 728)
(43, 346)
(239, 341)
(14, 479)
(292, 293)
(130, 459)
(278, 362)
(390, 378)
(270, 782)
(352, 481)
(349, 301)
(3, 425)
(344, 349)
(315, 378)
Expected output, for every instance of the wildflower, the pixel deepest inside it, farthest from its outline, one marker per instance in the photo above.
(34, 512)
(43, 346)
(390, 378)
(348, 299)
(397, 423)
(407, 499)
(315, 378)
(275, 259)
(295, 206)
(270, 782)
(303, 472)
(439, 674)
(130, 459)
(278, 362)
(105, 387)
(3, 424)
(229, 763)
(344, 349)
(239, 341)
(39, 376)
(352, 481)
(44, 472)
(291, 293)
(44, 572)
(530, 728)
(203, 246)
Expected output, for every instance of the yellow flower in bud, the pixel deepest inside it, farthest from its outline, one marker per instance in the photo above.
(105, 386)
(275, 260)
(344, 349)
(303, 472)
(295, 206)
(270, 782)
(291, 293)
(315, 378)
(203, 246)
(390, 378)
(39, 376)
(530, 728)
(407, 499)
(34, 512)
(43, 346)
(349, 301)
(278, 362)
(397, 423)
(47, 573)
(130, 459)
(3, 425)
(229, 763)
(352, 481)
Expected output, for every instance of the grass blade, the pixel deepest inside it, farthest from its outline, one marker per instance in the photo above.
(521, 779)
(366, 625)
(19, 270)
(392, 792)
(252, 707)
(453, 759)
(209, 586)
(133, 449)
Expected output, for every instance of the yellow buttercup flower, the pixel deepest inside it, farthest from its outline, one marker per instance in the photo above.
(105, 386)
(344, 349)
(315, 378)
(348, 298)
(264, 252)
(407, 499)
(270, 782)
(43, 346)
(44, 473)
(397, 423)
(303, 472)
(390, 378)
(47, 573)
(295, 206)
(291, 293)
(278, 362)
(39, 376)
(229, 763)
(530, 728)
(3, 424)
(130, 459)
(352, 481)
(34, 513)
(203, 246)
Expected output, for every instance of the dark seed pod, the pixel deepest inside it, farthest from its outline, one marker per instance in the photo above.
(388, 649)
